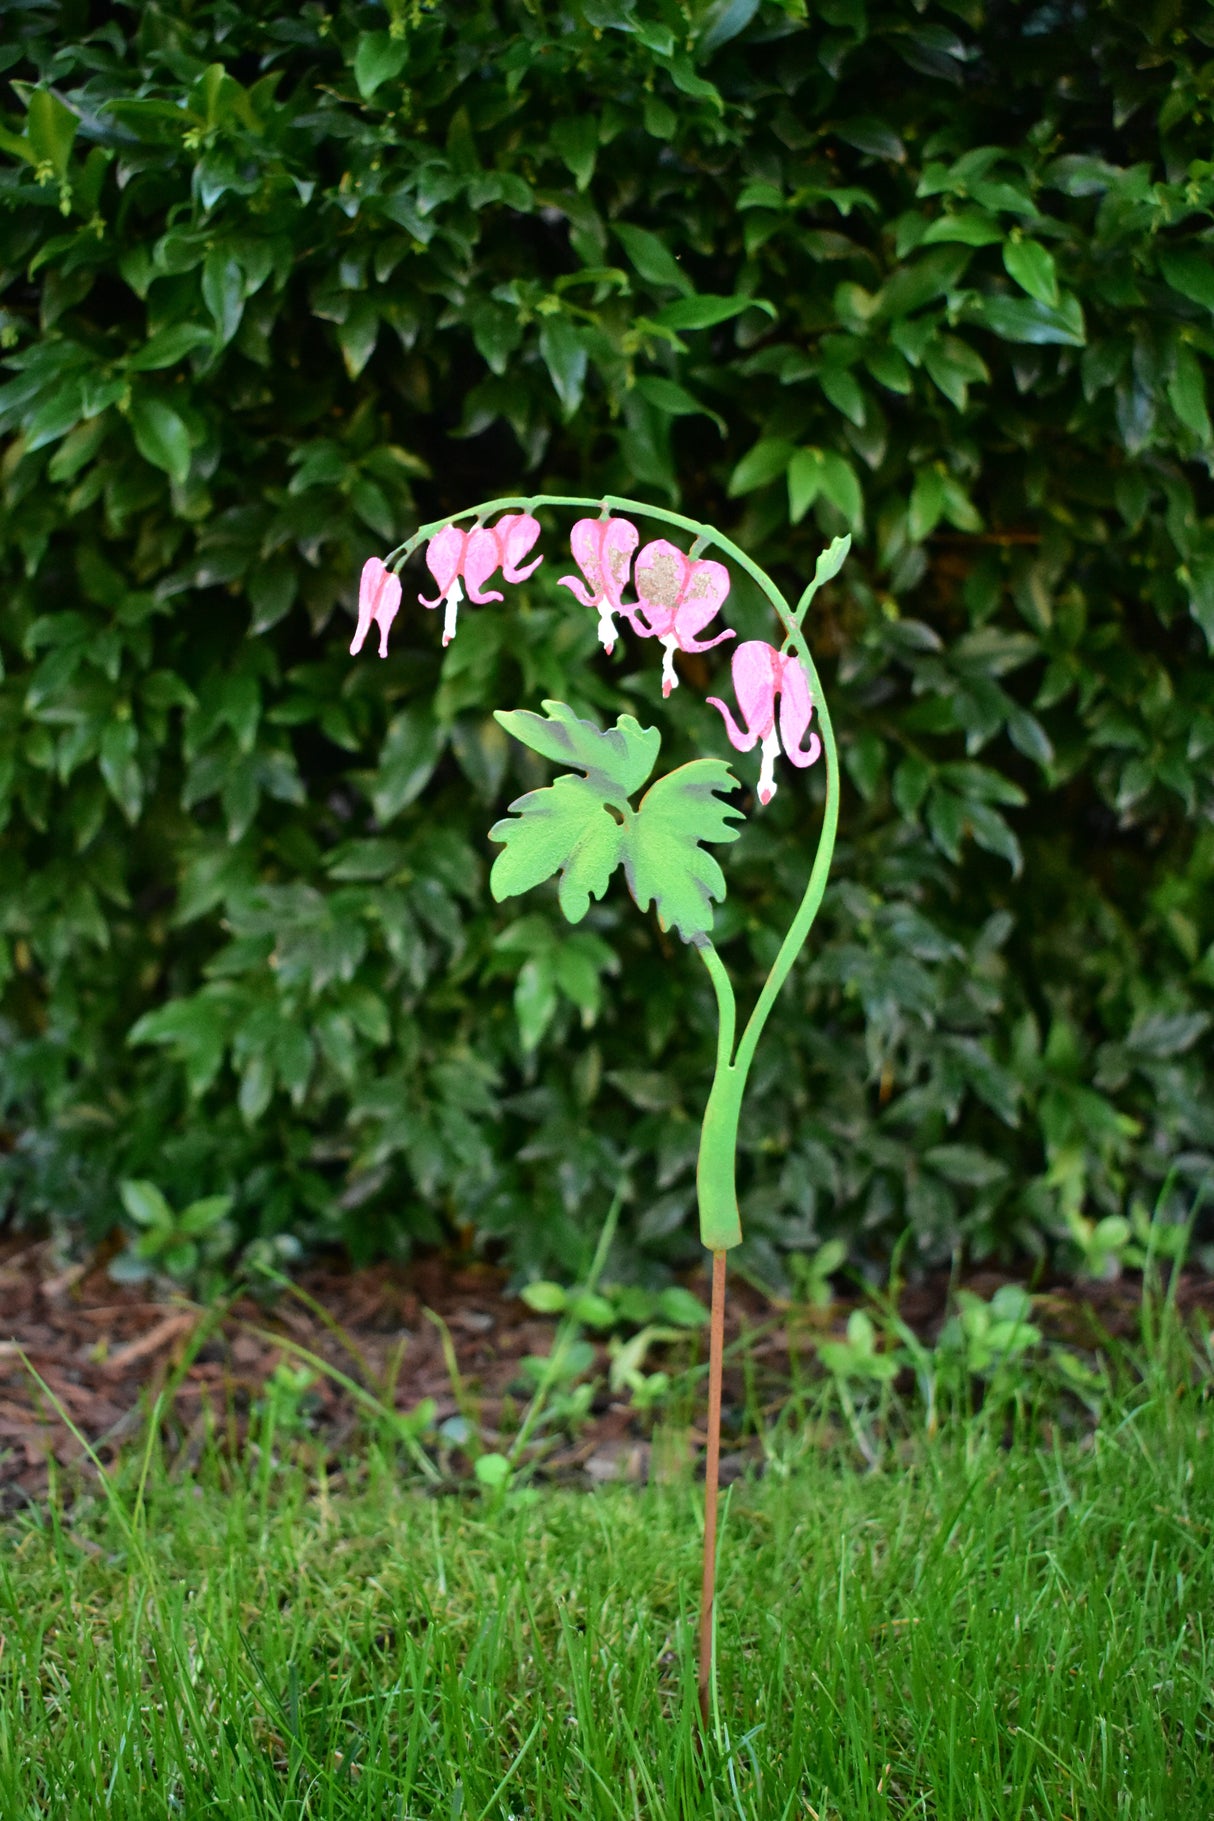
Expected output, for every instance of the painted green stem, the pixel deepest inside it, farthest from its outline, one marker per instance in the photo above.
(720, 1226)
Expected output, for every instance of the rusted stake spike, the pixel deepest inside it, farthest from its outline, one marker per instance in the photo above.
(716, 1349)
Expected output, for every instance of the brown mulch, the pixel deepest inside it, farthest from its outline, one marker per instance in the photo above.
(106, 1350)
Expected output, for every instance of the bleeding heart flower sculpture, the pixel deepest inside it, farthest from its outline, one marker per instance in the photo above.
(378, 601)
(475, 555)
(761, 675)
(584, 825)
(602, 549)
(677, 595)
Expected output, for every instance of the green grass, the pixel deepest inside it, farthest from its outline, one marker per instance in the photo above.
(979, 1627)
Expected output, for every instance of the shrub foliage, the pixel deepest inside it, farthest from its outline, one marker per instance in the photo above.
(279, 283)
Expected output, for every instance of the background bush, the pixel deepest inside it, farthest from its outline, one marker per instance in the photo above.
(277, 284)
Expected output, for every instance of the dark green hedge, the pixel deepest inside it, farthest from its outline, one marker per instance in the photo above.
(278, 283)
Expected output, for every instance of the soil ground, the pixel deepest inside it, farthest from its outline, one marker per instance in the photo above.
(106, 1349)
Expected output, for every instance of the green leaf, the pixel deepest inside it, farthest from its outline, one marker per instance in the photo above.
(271, 589)
(544, 1297)
(804, 482)
(926, 503)
(843, 390)
(576, 143)
(566, 829)
(357, 336)
(161, 437)
(1191, 272)
(651, 258)
(492, 1470)
(1032, 266)
(168, 346)
(706, 312)
(721, 21)
(667, 396)
(78, 448)
(968, 227)
(407, 760)
(663, 861)
(120, 768)
(831, 560)
(378, 59)
(1025, 319)
(952, 364)
(194, 1030)
(51, 128)
(761, 465)
(1187, 393)
(890, 368)
(681, 1307)
(842, 488)
(930, 277)
(203, 1215)
(17, 146)
(616, 762)
(223, 292)
(564, 354)
(145, 1204)
(535, 1000)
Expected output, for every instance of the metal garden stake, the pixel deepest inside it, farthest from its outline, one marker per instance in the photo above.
(585, 824)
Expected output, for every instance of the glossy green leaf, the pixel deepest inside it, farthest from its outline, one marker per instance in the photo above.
(1190, 271)
(51, 128)
(1025, 319)
(379, 58)
(564, 354)
(1032, 266)
(766, 462)
(576, 142)
(161, 437)
(651, 257)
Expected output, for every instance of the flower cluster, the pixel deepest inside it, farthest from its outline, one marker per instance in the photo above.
(676, 598)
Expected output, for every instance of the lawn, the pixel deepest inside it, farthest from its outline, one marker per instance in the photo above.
(1006, 1617)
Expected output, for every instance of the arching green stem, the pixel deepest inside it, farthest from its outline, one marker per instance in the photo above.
(720, 1227)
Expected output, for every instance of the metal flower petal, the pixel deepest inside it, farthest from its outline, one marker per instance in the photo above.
(516, 532)
(378, 602)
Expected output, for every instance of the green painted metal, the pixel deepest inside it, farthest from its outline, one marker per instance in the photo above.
(585, 824)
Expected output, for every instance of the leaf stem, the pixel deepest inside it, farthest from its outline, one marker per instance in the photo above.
(726, 1003)
(712, 1472)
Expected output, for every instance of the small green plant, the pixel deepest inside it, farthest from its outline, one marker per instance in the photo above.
(811, 1273)
(1102, 1246)
(983, 1336)
(180, 1244)
(858, 1357)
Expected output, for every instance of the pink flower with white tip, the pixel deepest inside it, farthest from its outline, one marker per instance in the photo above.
(602, 549)
(378, 602)
(761, 675)
(677, 595)
(475, 555)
